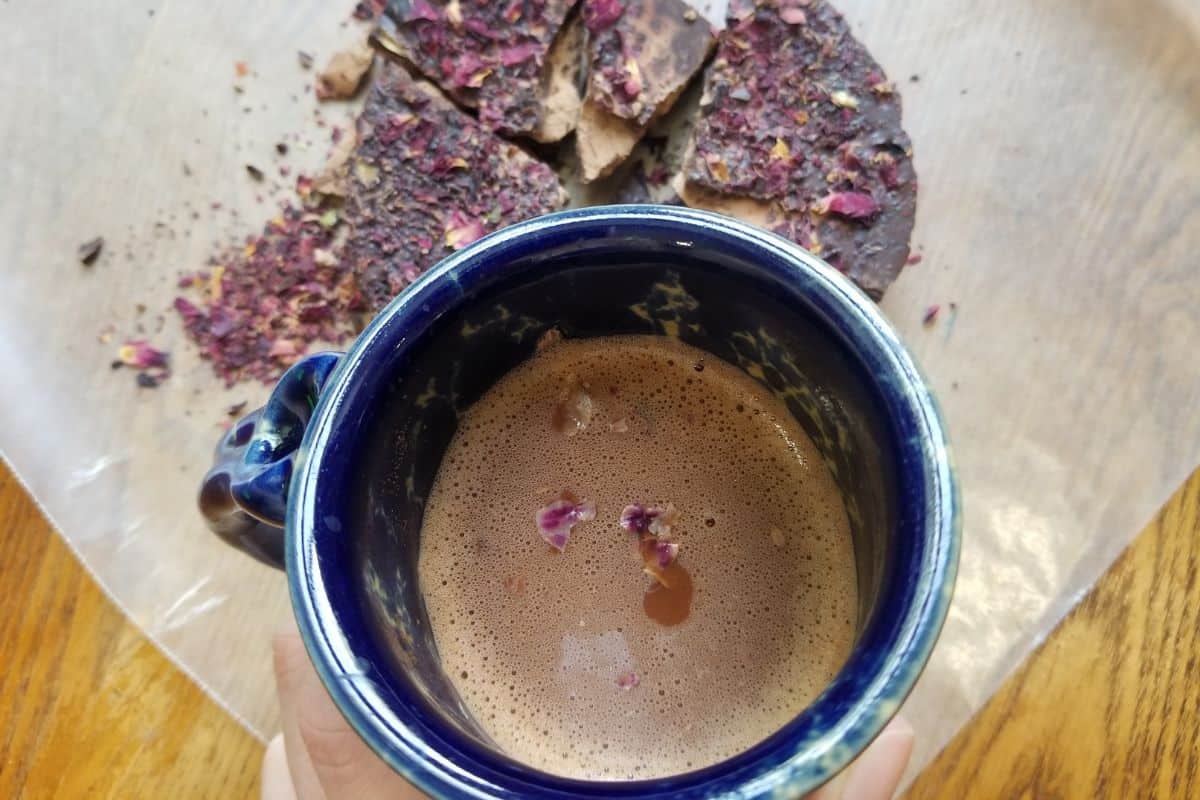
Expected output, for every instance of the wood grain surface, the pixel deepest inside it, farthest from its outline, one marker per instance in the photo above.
(89, 708)
(1109, 706)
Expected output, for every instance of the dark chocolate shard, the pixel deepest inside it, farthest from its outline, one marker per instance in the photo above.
(800, 131)
(89, 251)
(642, 53)
(493, 56)
(426, 179)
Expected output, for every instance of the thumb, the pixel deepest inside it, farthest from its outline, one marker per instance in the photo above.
(876, 773)
(318, 740)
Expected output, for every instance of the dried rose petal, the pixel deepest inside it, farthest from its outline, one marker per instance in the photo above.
(461, 230)
(853, 205)
(600, 14)
(138, 353)
(421, 9)
(263, 302)
(628, 680)
(657, 555)
(653, 521)
(519, 53)
(556, 520)
(665, 552)
(931, 315)
(635, 518)
(793, 16)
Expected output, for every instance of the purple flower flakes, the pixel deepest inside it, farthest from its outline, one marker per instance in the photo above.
(556, 520)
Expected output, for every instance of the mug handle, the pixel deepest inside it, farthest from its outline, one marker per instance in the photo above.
(244, 496)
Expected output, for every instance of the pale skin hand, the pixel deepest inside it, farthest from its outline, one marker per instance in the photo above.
(319, 757)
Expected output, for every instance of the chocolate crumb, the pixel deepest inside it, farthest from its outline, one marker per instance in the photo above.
(281, 148)
(236, 409)
(89, 251)
(254, 172)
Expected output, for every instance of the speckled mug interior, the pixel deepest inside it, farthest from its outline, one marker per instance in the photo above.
(415, 372)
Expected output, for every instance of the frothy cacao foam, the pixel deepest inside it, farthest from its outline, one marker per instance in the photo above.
(554, 653)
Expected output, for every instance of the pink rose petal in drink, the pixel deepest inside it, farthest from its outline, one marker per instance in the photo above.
(556, 520)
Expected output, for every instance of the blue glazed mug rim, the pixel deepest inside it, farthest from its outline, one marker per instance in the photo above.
(795, 766)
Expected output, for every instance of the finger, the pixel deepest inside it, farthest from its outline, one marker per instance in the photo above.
(343, 765)
(291, 672)
(276, 781)
(877, 772)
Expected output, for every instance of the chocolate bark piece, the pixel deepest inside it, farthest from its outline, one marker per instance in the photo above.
(426, 179)
(642, 53)
(800, 119)
(494, 56)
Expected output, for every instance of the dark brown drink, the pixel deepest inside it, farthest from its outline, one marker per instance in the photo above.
(635, 562)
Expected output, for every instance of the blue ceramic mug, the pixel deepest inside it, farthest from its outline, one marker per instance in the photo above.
(329, 479)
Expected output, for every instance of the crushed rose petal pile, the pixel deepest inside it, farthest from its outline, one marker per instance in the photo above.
(256, 309)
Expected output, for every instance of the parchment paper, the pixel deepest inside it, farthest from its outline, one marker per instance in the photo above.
(1058, 148)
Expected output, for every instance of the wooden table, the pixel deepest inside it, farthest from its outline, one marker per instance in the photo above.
(1108, 706)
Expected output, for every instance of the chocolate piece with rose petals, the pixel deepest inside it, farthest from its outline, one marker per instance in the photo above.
(643, 53)
(497, 57)
(799, 131)
(426, 179)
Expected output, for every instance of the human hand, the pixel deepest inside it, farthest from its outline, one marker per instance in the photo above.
(318, 756)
